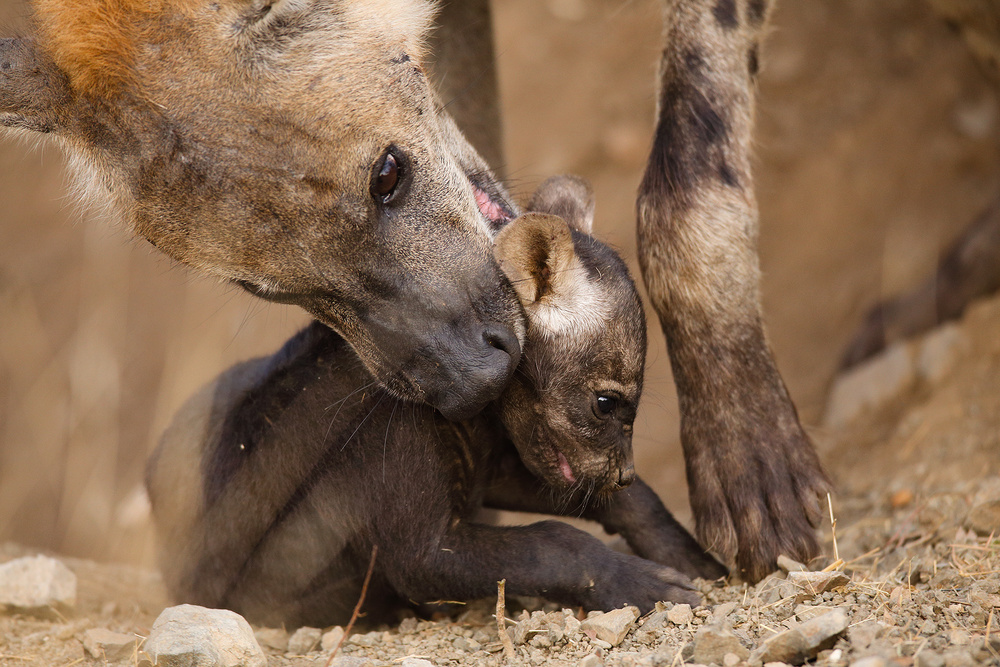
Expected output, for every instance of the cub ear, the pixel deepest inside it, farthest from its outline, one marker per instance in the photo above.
(570, 197)
(34, 93)
(536, 253)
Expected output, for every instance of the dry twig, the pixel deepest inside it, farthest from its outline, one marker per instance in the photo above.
(357, 607)
(508, 645)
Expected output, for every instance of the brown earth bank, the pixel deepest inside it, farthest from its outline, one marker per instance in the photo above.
(877, 145)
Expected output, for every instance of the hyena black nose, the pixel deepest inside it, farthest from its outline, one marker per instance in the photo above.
(487, 364)
(626, 475)
(502, 338)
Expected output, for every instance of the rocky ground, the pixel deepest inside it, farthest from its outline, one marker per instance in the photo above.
(910, 573)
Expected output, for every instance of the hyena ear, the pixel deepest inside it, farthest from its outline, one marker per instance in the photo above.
(570, 197)
(34, 93)
(536, 253)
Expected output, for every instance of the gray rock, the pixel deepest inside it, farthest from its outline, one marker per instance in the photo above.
(37, 585)
(592, 660)
(272, 638)
(984, 518)
(192, 636)
(803, 642)
(713, 642)
(680, 614)
(330, 639)
(810, 584)
(104, 644)
(612, 626)
(304, 640)
(871, 385)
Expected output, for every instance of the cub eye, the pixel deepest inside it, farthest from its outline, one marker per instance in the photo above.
(605, 404)
(387, 174)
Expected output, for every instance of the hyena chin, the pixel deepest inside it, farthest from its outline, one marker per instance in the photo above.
(298, 150)
(273, 485)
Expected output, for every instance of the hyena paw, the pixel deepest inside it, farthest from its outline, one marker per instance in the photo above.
(755, 495)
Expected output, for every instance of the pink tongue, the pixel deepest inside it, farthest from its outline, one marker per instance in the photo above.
(565, 469)
(489, 208)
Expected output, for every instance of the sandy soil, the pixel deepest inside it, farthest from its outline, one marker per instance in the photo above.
(877, 144)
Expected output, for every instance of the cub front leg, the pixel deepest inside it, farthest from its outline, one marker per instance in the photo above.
(753, 474)
(547, 559)
(638, 515)
(635, 512)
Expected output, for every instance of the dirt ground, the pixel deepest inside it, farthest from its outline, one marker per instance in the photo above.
(878, 142)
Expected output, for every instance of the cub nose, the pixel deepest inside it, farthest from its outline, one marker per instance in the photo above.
(626, 475)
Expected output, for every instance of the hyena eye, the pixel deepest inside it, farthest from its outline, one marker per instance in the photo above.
(605, 404)
(388, 173)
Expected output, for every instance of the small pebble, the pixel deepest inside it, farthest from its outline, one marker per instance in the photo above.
(304, 640)
(680, 614)
(870, 661)
(272, 638)
(612, 626)
(331, 638)
(103, 644)
(416, 662)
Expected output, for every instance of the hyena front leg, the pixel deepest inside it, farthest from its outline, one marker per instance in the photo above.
(753, 474)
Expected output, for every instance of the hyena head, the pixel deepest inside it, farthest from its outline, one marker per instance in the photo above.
(571, 405)
(295, 148)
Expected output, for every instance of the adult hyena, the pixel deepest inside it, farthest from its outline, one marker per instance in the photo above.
(297, 148)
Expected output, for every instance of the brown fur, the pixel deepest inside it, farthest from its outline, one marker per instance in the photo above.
(95, 41)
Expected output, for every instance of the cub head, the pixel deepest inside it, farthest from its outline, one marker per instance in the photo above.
(572, 402)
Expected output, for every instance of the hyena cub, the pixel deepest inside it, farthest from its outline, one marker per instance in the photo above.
(274, 483)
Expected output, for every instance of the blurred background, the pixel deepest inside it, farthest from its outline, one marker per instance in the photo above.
(877, 144)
